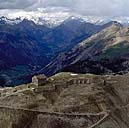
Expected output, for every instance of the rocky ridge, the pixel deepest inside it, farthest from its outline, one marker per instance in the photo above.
(68, 100)
(103, 53)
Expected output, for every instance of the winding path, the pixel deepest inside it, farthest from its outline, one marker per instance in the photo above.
(88, 116)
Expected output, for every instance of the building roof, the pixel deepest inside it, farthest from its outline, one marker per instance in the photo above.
(41, 76)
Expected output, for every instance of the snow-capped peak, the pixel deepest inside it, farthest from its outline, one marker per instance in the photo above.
(53, 17)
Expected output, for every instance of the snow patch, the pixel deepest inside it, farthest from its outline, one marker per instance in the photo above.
(72, 74)
(54, 16)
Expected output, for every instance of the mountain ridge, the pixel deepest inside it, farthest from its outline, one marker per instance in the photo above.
(36, 45)
(94, 50)
(53, 17)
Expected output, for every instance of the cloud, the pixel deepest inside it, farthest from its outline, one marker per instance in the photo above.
(84, 7)
(16, 4)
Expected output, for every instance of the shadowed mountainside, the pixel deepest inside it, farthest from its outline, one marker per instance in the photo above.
(32, 46)
(103, 53)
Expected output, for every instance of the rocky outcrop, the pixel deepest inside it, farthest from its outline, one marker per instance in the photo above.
(66, 101)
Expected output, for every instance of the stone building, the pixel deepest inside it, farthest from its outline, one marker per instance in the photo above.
(39, 80)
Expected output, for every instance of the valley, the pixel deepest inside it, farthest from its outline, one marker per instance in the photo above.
(64, 64)
(36, 45)
(73, 46)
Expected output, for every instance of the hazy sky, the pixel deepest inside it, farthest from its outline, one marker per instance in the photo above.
(84, 7)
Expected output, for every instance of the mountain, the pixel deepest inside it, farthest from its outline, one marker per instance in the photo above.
(70, 32)
(36, 45)
(104, 52)
(67, 100)
(54, 16)
(21, 41)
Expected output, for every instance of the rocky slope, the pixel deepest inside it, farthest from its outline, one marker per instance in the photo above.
(68, 100)
(104, 52)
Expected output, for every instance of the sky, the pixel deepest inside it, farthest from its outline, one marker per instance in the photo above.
(83, 7)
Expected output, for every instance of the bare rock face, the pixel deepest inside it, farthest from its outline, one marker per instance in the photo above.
(68, 101)
(52, 122)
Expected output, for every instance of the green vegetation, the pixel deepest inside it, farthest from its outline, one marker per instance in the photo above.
(16, 75)
(116, 50)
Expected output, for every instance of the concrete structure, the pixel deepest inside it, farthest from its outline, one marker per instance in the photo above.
(39, 80)
(79, 81)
